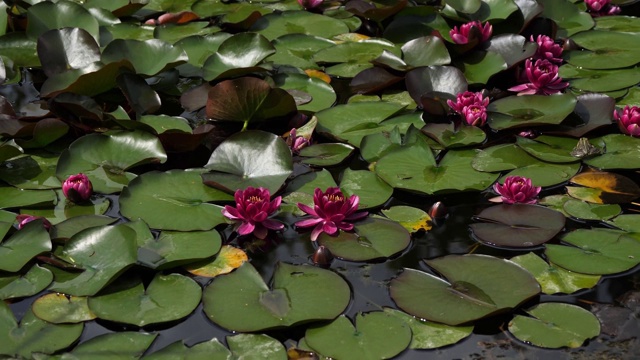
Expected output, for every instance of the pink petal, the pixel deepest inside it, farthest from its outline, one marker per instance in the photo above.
(316, 232)
(307, 209)
(273, 225)
(231, 213)
(330, 227)
(246, 228)
(308, 222)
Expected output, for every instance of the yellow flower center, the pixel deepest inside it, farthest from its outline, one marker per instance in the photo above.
(255, 199)
(336, 198)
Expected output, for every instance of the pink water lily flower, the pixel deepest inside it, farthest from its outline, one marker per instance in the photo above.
(475, 115)
(252, 212)
(297, 143)
(310, 4)
(467, 98)
(547, 49)
(77, 188)
(24, 219)
(601, 8)
(461, 36)
(628, 120)
(331, 212)
(517, 189)
(543, 79)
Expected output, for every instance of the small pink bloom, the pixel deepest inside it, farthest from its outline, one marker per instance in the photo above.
(475, 115)
(467, 98)
(543, 79)
(628, 120)
(601, 8)
(461, 36)
(529, 134)
(331, 212)
(517, 189)
(23, 219)
(547, 49)
(77, 188)
(310, 4)
(297, 143)
(252, 211)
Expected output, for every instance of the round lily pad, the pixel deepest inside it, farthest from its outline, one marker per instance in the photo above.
(596, 252)
(74, 225)
(14, 285)
(126, 344)
(175, 248)
(412, 219)
(249, 158)
(31, 172)
(322, 94)
(587, 211)
(517, 225)
(366, 184)
(33, 335)
(530, 110)
(166, 298)
(238, 52)
(555, 325)
(242, 301)
(554, 279)
(449, 137)
(11, 197)
(376, 335)
(370, 239)
(148, 57)
(468, 294)
(66, 209)
(274, 25)
(184, 208)
(22, 246)
(325, 154)
(61, 309)
(622, 152)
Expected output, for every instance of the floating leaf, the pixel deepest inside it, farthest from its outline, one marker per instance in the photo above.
(622, 152)
(366, 185)
(74, 225)
(33, 335)
(376, 335)
(11, 197)
(241, 301)
(517, 225)
(62, 309)
(14, 285)
(175, 248)
(532, 110)
(211, 349)
(554, 279)
(586, 211)
(567, 16)
(245, 346)
(596, 251)
(325, 154)
(167, 298)
(22, 246)
(185, 208)
(249, 158)
(275, 25)
(412, 219)
(68, 48)
(31, 172)
(469, 294)
(555, 325)
(65, 209)
(322, 94)
(148, 57)
(450, 137)
(430, 335)
(550, 148)
(47, 15)
(626, 222)
(239, 54)
(370, 239)
(124, 345)
(228, 259)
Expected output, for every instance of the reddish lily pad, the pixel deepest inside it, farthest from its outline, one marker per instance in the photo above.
(517, 225)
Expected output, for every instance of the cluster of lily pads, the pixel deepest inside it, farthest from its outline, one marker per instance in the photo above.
(157, 157)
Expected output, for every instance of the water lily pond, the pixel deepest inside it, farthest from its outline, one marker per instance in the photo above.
(283, 179)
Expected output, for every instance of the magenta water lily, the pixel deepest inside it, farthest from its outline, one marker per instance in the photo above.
(331, 212)
(628, 120)
(310, 4)
(547, 49)
(77, 188)
(543, 79)
(462, 36)
(517, 189)
(297, 143)
(252, 211)
(601, 8)
(472, 106)
(24, 219)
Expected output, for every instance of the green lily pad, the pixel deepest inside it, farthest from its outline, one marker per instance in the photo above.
(275, 25)
(11, 197)
(238, 54)
(517, 225)
(90, 80)
(185, 208)
(148, 57)
(450, 137)
(412, 219)
(298, 50)
(172, 33)
(33, 335)
(353, 57)
(502, 157)
(244, 346)
(367, 185)
(301, 188)
(618, 23)
(430, 335)
(322, 94)
(103, 252)
(469, 294)
(550, 148)
(9, 149)
(374, 146)
(22, 246)
(325, 154)
(435, 82)
(414, 168)
(167, 298)
(516, 111)
(66, 209)
(20, 48)
(15, 285)
(546, 174)
(352, 122)
(31, 172)
(376, 335)
(62, 309)
(47, 15)
(127, 345)
(174, 248)
(587, 211)
(479, 66)
(104, 158)
(599, 80)
(242, 301)
(211, 349)
(622, 152)
(512, 47)
(554, 279)
(569, 18)
(249, 158)
(425, 51)
(226, 260)
(164, 123)
(68, 48)
(596, 251)
(626, 222)
(370, 239)
(74, 225)
(555, 325)
(199, 49)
